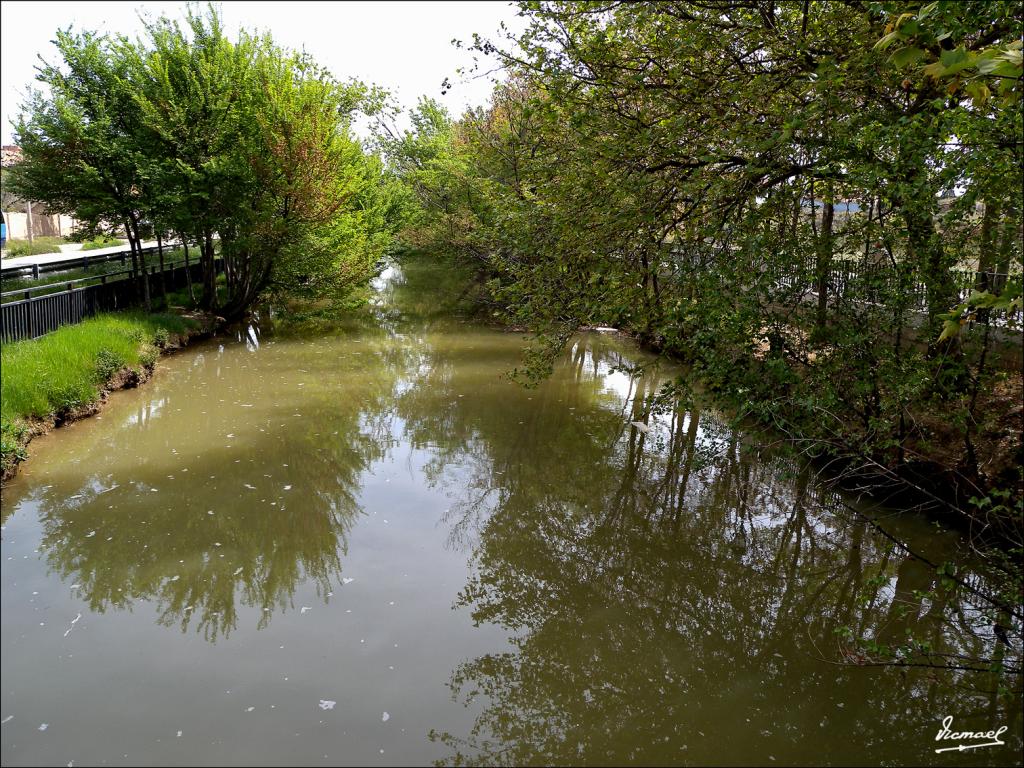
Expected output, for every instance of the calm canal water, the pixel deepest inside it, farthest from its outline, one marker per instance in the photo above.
(362, 544)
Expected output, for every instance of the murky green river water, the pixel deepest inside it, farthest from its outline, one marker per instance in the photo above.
(363, 545)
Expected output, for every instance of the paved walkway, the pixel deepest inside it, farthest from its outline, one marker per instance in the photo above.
(50, 258)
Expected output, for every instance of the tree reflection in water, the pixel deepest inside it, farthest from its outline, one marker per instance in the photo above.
(673, 591)
(676, 594)
(222, 536)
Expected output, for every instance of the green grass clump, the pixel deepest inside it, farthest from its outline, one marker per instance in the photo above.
(38, 245)
(12, 444)
(66, 369)
(102, 242)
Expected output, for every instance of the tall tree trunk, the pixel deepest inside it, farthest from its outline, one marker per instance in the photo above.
(163, 277)
(1011, 236)
(987, 253)
(134, 248)
(209, 300)
(147, 300)
(987, 249)
(917, 206)
(823, 264)
(652, 301)
(930, 258)
(188, 268)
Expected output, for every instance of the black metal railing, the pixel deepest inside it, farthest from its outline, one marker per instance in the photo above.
(42, 309)
(34, 271)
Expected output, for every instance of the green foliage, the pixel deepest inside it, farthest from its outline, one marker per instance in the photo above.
(108, 362)
(161, 337)
(654, 169)
(187, 132)
(941, 40)
(1009, 300)
(13, 436)
(39, 245)
(101, 241)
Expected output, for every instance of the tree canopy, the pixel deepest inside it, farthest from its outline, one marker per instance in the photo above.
(807, 201)
(186, 132)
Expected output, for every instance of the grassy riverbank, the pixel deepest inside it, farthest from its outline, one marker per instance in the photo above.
(66, 374)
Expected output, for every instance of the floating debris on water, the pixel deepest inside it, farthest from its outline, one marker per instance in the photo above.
(73, 622)
(327, 704)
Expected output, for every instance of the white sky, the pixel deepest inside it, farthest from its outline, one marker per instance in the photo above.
(403, 46)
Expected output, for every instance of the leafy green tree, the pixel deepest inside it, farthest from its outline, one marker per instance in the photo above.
(80, 142)
(764, 189)
(185, 131)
